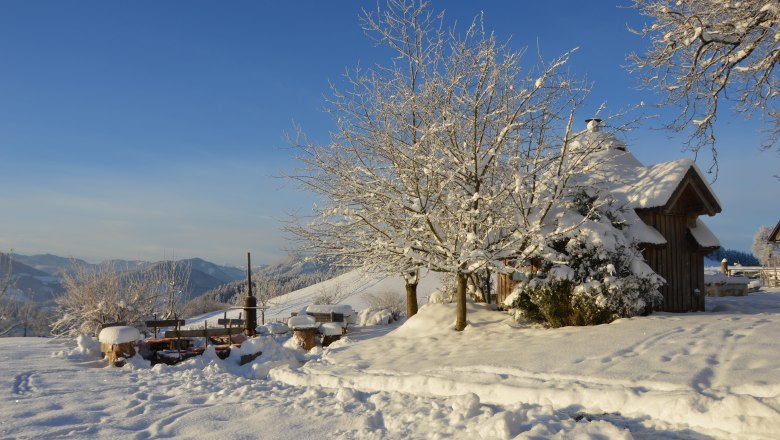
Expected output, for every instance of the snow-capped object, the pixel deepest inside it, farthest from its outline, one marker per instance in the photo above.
(119, 335)
(331, 329)
(277, 328)
(593, 124)
(301, 321)
(646, 187)
(344, 309)
(703, 236)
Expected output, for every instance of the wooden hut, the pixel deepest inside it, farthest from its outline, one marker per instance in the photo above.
(665, 202)
(774, 237)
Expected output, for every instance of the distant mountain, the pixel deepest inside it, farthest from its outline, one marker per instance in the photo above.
(51, 264)
(204, 276)
(29, 283)
(18, 267)
(39, 277)
(285, 275)
(225, 274)
(127, 265)
(293, 266)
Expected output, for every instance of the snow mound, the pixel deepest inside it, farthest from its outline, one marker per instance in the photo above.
(119, 335)
(374, 317)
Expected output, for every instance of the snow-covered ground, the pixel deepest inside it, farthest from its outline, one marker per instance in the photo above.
(695, 376)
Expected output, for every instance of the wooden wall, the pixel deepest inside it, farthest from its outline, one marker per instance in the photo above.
(680, 262)
(504, 287)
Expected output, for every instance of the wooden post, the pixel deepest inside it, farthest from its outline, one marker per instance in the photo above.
(774, 283)
(250, 302)
(724, 266)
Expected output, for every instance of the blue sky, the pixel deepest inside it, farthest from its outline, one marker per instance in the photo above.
(140, 129)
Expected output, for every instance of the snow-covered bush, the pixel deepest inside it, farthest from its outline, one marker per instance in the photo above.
(394, 302)
(372, 316)
(441, 297)
(591, 274)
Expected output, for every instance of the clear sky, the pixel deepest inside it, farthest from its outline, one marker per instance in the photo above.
(139, 129)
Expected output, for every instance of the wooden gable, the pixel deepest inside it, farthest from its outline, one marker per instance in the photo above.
(692, 197)
(774, 237)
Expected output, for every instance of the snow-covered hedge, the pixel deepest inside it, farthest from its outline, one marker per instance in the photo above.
(592, 273)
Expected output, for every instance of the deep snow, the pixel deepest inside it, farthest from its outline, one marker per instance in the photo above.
(698, 375)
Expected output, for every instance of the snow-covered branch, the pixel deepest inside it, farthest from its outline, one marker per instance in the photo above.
(703, 52)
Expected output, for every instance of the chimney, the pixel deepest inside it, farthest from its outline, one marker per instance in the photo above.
(593, 124)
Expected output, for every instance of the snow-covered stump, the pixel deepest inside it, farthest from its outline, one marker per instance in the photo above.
(305, 329)
(331, 332)
(118, 343)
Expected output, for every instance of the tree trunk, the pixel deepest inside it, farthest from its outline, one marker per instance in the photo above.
(460, 322)
(411, 299)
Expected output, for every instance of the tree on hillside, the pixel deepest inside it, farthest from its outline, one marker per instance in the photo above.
(452, 158)
(174, 281)
(7, 323)
(703, 52)
(762, 248)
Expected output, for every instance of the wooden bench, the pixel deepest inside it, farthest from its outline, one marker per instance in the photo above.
(161, 323)
(203, 332)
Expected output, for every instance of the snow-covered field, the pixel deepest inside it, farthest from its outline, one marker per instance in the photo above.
(698, 376)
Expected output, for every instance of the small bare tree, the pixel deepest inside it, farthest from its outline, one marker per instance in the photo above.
(95, 295)
(703, 52)
(173, 279)
(331, 294)
(7, 323)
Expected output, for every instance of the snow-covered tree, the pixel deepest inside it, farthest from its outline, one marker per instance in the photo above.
(379, 128)
(95, 295)
(703, 52)
(762, 248)
(589, 275)
(173, 278)
(451, 158)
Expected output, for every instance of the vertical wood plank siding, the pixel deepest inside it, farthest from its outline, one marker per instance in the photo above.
(679, 262)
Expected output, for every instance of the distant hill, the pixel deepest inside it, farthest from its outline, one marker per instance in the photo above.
(293, 266)
(51, 264)
(283, 276)
(734, 256)
(29, 283)
(225, 274)
(39, 277)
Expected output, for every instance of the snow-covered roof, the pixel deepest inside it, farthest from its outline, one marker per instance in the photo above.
(703, 236)
(642, 187)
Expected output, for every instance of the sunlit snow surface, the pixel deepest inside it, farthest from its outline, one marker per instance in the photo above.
(700, 375)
